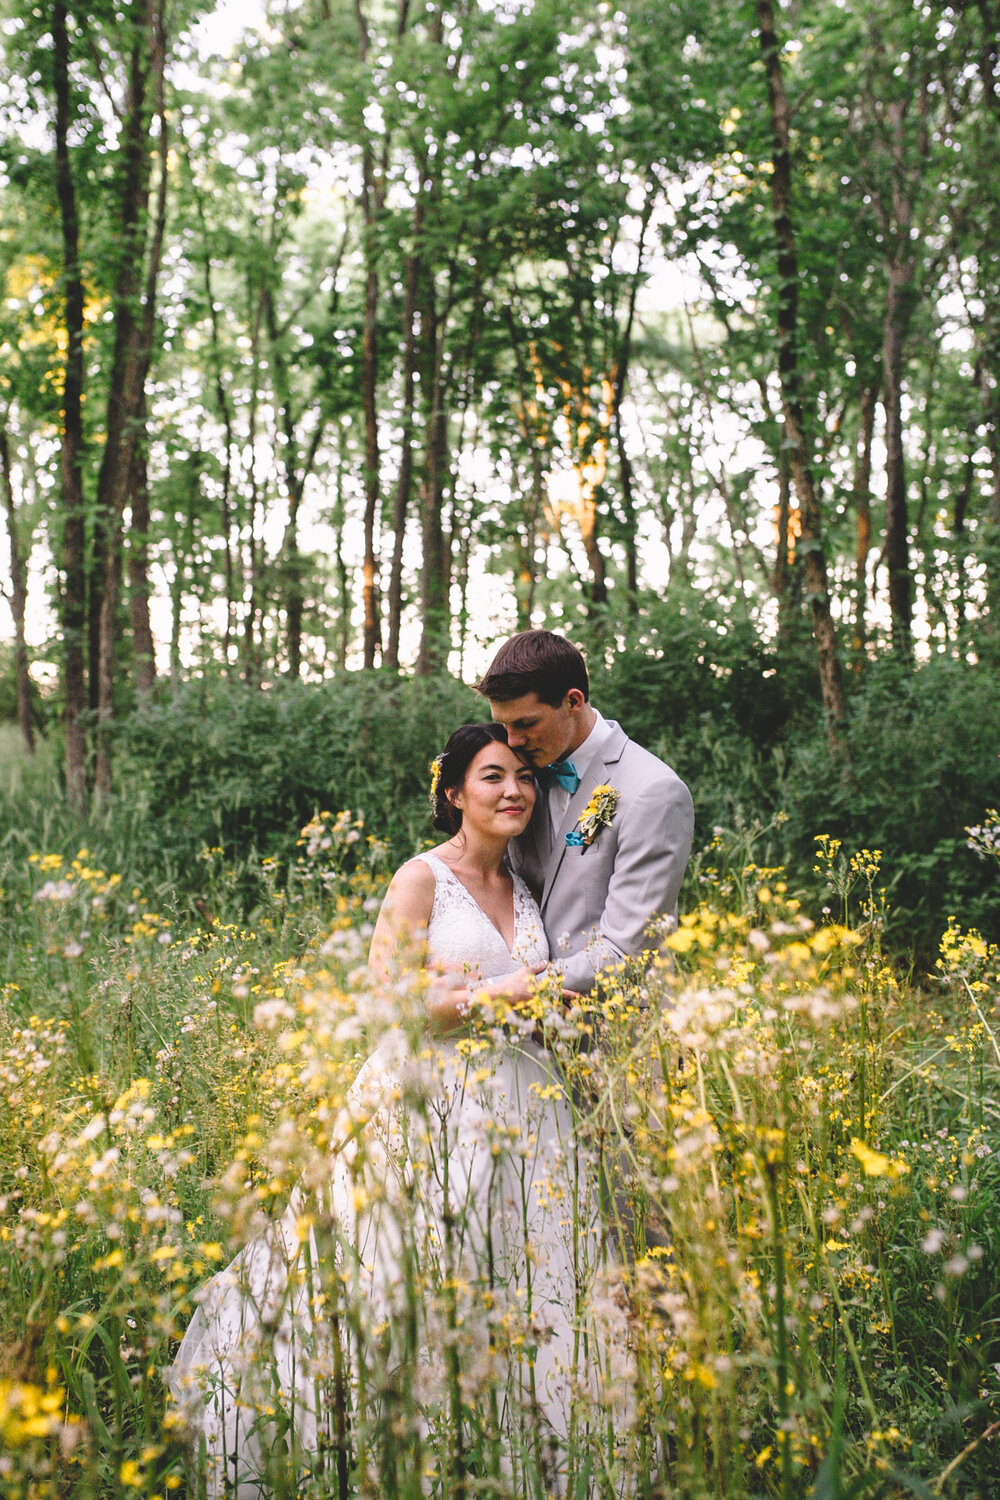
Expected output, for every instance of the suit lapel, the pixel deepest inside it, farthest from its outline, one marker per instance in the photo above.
(596, 774)
(536, 835)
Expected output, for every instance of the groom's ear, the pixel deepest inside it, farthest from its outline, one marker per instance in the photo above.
(574, 699)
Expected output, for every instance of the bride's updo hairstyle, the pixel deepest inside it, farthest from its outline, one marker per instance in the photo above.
(455, 759)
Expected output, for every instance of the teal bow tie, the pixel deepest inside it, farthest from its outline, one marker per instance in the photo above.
(560, 773)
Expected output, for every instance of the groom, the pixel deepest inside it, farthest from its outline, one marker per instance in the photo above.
(601, 880)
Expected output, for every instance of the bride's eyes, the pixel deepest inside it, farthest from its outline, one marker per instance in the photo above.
(524, 776)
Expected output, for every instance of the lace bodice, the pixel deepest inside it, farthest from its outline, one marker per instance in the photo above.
(460, 933)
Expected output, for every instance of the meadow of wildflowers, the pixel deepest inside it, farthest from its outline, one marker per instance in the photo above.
(796, 1145)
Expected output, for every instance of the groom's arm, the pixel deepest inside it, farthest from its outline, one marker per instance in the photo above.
(654, 841)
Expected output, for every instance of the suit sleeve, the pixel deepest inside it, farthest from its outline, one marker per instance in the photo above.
(654, 841)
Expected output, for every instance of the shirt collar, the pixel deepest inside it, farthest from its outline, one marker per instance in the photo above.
(586, 753)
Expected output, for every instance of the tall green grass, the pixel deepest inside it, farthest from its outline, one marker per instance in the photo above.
(804, 1143)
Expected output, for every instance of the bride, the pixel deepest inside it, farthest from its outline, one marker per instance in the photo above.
(431, 1308)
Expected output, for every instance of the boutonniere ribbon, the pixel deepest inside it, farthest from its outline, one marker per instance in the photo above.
(597, 814)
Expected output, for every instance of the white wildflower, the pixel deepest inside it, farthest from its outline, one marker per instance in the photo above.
(56, 890)
(269, 1014)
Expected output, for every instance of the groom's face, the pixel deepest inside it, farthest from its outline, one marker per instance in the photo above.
(540, 731)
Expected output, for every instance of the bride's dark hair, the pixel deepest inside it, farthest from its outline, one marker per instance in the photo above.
(453, 762)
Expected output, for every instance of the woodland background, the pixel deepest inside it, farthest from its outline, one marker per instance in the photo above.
(396, 327)
(338, 340)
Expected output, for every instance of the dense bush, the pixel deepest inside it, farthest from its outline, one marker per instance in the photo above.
(924, 754)
(218, 764)
(745, 730)
(223, 765)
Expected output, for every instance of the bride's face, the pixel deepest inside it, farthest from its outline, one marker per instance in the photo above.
(498, 793)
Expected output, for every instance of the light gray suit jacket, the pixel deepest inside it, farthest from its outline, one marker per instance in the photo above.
(597, 902)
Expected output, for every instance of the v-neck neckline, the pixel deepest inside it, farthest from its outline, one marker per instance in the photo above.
(513, 903)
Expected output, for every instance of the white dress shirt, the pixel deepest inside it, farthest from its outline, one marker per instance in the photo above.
(582, 758)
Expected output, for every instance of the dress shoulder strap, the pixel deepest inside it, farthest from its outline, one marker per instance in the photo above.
(444, 878)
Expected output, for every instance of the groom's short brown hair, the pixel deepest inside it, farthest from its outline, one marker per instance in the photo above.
(536, 661)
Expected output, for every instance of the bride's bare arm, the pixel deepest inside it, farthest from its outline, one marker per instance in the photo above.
(400, 941)
(514, 988)
(401, 927)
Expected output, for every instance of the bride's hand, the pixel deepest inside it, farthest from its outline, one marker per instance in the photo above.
(448, 998)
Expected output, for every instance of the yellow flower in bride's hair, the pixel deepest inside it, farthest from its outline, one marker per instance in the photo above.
(435, 769)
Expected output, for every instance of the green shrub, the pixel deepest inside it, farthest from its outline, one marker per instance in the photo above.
(745, 730)
(219, 764)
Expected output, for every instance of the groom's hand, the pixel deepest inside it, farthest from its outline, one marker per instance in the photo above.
(516, 987)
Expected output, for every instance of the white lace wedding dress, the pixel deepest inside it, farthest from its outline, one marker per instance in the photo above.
(450, 1251)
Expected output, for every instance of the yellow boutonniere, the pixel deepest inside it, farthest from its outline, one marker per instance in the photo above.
(597, 814)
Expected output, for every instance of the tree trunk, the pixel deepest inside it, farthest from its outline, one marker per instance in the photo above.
(144, 651)
(124, 398)
(225, 415)
(525, 542)
(372, 194)
(784, 558)
(630, 517)
(404, 478)
(254, 604)
(337, 520)
(862, 500)
(988, 391)
(73, 610)
(435, 571)
(811, 546)
(899, 173)
(176, 604)
(588, 456)
(619, 383)
(134, 309)
(369, 384)
(18, 599)
(296, 471)
(739, 530)
(899, 301)
(587, 517)
(535, 434)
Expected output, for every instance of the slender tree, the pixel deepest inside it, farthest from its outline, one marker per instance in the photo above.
(18, 596)
(73, 598)
(811, 545)
(139, 254)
